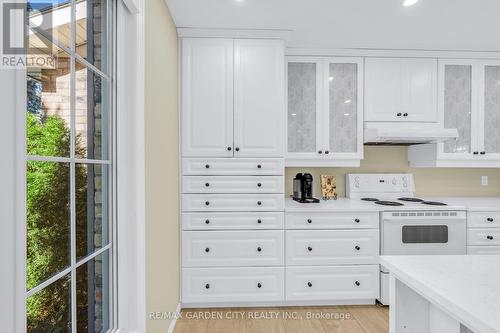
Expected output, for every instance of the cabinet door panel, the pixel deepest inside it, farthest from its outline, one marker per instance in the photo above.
(457, 101)
(490, 98)
(420, 93)
(382, 89)
(345, 109)
(259, 98)
(304, 97)
(207, 97)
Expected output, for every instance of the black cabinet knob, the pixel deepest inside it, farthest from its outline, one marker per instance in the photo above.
(357, 220)
(237, 148)
(207, 184)
(259, 184)
(405, 114)
(259, 221)
(357, 283)
(207, 166)
(399, 114)
(207, 249)
(483, 153)
(207, 286)
(476, 153)
(259, 203)
(229, 148)
(309, 248)
(490, 219)
(259, 285)
(207, 221)
(327, 152)
(207, 203)
(489, 237)
(320, 152)
(309, 221)
(259, 166)
(259, 249)
(309, 284)
(357, 248)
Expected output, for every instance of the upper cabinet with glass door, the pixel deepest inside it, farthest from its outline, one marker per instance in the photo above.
(489, 105)
(325, 111)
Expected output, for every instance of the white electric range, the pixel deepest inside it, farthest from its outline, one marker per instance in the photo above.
(409, 225)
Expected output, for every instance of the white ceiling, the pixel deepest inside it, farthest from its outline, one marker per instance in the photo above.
(381, 24)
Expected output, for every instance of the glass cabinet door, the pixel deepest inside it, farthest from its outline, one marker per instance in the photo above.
(303, 117)
(344, 116)
(458, 107)
(490, 100)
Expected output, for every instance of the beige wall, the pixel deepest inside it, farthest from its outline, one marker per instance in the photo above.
(162, 192)
(429, 182)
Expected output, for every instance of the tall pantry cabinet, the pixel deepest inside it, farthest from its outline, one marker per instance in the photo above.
(232, 147)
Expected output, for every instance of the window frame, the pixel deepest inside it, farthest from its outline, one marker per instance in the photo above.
(72, 160)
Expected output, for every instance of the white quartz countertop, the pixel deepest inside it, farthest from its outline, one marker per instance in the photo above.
(339, 205)
(465, 287)
(345, 204)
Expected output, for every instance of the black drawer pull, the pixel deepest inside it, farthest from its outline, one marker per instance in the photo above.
(357, 248)
(207, 166)
(405, 114)
(357, 283)
(229, 148)
(483, 153)
(259, 203)
(309, 248)
(259, 285)
(399, 114)
(207, 286)
(259, 249)
(309, 284)
(207, 221)
(490, 219)
(327, 152)
(489, 237)
(259, 166)
(207, 184)
(259, 184)
(237, 148)
(259, 221)
(207, 249)
(357, 220)
(207, 203)
(476, 153)
(309, 221)
(320, 152)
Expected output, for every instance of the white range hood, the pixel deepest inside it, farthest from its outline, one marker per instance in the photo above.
(407, 133)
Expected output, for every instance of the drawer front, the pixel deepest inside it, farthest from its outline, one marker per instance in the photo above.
(332, 283)
(232, 184)
(233, 166)
(483, 220)
(232, 248)
(233, 202)
(483, 236)
(232, 221)
(332, 247)
(346, 220)
(483, 250)
(212, 285)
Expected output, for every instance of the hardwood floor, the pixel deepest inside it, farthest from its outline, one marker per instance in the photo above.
(334, 319)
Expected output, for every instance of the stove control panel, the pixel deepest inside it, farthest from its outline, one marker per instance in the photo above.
(360, 185)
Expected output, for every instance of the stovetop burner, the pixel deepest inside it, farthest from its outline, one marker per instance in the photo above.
(389, 203)
(370, 199)
(411, 199)
(434, 203)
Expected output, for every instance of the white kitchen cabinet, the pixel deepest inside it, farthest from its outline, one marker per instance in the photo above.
(469, 95)
(207, 97)
(401, 90)
(233, 221)
(232, 98)
(259, 122)
(232, 184)
(325, 111)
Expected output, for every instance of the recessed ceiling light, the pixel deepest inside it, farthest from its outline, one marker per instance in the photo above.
(294, 114)
(347, 101)
(330, 78)
(408, 3)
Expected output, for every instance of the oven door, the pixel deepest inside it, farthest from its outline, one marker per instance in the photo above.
(419, 233)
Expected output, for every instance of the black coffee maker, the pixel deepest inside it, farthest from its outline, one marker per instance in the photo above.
(303, 188)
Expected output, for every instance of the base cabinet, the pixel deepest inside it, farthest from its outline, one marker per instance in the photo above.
(483, 232)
